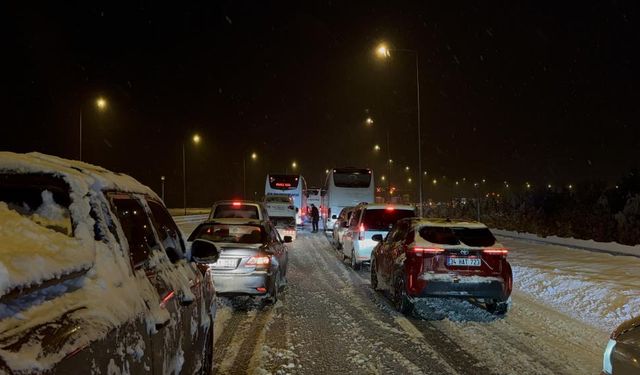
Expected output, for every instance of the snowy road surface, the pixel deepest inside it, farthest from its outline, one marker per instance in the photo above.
(330, 321)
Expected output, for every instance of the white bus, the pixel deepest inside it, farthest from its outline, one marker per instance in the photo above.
(346, 187)
(292, 185)
(314, 195)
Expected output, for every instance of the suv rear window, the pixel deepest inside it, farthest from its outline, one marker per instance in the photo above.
(476, 237)
(41, 198)
(383, 219)
(231, 211)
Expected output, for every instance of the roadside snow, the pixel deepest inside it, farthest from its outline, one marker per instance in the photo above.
(600, 289)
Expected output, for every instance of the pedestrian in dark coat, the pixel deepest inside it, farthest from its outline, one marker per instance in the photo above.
(315, 217)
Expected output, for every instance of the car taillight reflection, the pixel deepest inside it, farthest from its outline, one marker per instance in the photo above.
(258, 262)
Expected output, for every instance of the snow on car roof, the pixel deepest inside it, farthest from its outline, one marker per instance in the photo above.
(443, 222)
(80, 176)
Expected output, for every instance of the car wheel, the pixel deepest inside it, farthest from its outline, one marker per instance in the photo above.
(401, 300)
(207, 358)
(374, 275)
(275, 290)
(354, 261)
(497, 307)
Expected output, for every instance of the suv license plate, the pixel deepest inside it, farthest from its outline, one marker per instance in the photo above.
(465, 262)
(225, 263)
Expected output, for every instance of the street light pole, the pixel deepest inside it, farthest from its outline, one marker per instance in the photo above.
(384, 52)
(80, 156)
(162, 184)
(244, 177)
(184, 181)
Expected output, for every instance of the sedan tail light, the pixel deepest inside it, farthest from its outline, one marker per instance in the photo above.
(361, 232)
(258, 262)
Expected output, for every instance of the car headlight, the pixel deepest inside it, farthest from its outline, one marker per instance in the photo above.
(606, 361)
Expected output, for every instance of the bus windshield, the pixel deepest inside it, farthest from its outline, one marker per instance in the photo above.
(283, 182)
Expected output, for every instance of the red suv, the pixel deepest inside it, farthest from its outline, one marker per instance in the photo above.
(441, 258)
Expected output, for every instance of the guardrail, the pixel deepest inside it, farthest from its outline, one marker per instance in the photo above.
(612, 248)
(190, 218)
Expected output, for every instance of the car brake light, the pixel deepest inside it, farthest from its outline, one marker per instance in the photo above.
(258, 261)
(361, 232)
(236, 204)
(390, 208)
(420, 251)
(496, 251)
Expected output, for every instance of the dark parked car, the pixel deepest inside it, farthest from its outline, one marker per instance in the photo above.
(441, 258)
(253, 258)
(95, 277)
(622, 354)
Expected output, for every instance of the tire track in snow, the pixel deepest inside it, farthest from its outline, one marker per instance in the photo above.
(230, 342)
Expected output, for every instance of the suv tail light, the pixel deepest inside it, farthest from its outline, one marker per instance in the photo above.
(361, 232)
(258, 262)
(425, 251)
(495, 251)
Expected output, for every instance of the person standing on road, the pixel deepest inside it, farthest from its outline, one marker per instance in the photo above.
(315, 217)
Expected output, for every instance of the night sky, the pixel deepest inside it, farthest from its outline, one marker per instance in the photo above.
(545, 92)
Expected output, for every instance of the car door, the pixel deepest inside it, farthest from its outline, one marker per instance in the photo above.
(193, 307)
(146, 258)
(383, 256)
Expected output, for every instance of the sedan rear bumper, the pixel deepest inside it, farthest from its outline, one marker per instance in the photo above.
(256, 283)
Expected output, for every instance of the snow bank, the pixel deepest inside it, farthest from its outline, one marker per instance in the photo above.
(31, 252)
(591, 245)
(597, 288)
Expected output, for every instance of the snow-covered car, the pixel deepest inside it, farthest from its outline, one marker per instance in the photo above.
(622, 354)
(238, 209)
(282, 214)
(94, 275)
(253, 259)
(422, 258)
(367, 220)
(340, 226)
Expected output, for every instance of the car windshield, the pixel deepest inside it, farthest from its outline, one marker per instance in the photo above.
(476, 237)
(235, 211)
(42, 199)
(231, 233)
(383, 218)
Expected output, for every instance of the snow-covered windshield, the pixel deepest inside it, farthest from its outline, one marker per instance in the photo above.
(477, 237)
(231, 233)
(46, 205)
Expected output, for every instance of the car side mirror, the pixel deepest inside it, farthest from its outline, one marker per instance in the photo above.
(288, 239)
(377, 237)
(333, 217)
(203, 251)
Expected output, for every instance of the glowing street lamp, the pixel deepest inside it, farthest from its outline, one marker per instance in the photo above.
(101, 105)
(376, 148)
(369, 121)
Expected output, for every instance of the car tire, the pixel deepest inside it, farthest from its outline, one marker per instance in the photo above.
(373, 275)
(275, 290)
(207, 360)
(401, 301)
(354, 261)
(497, 307)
